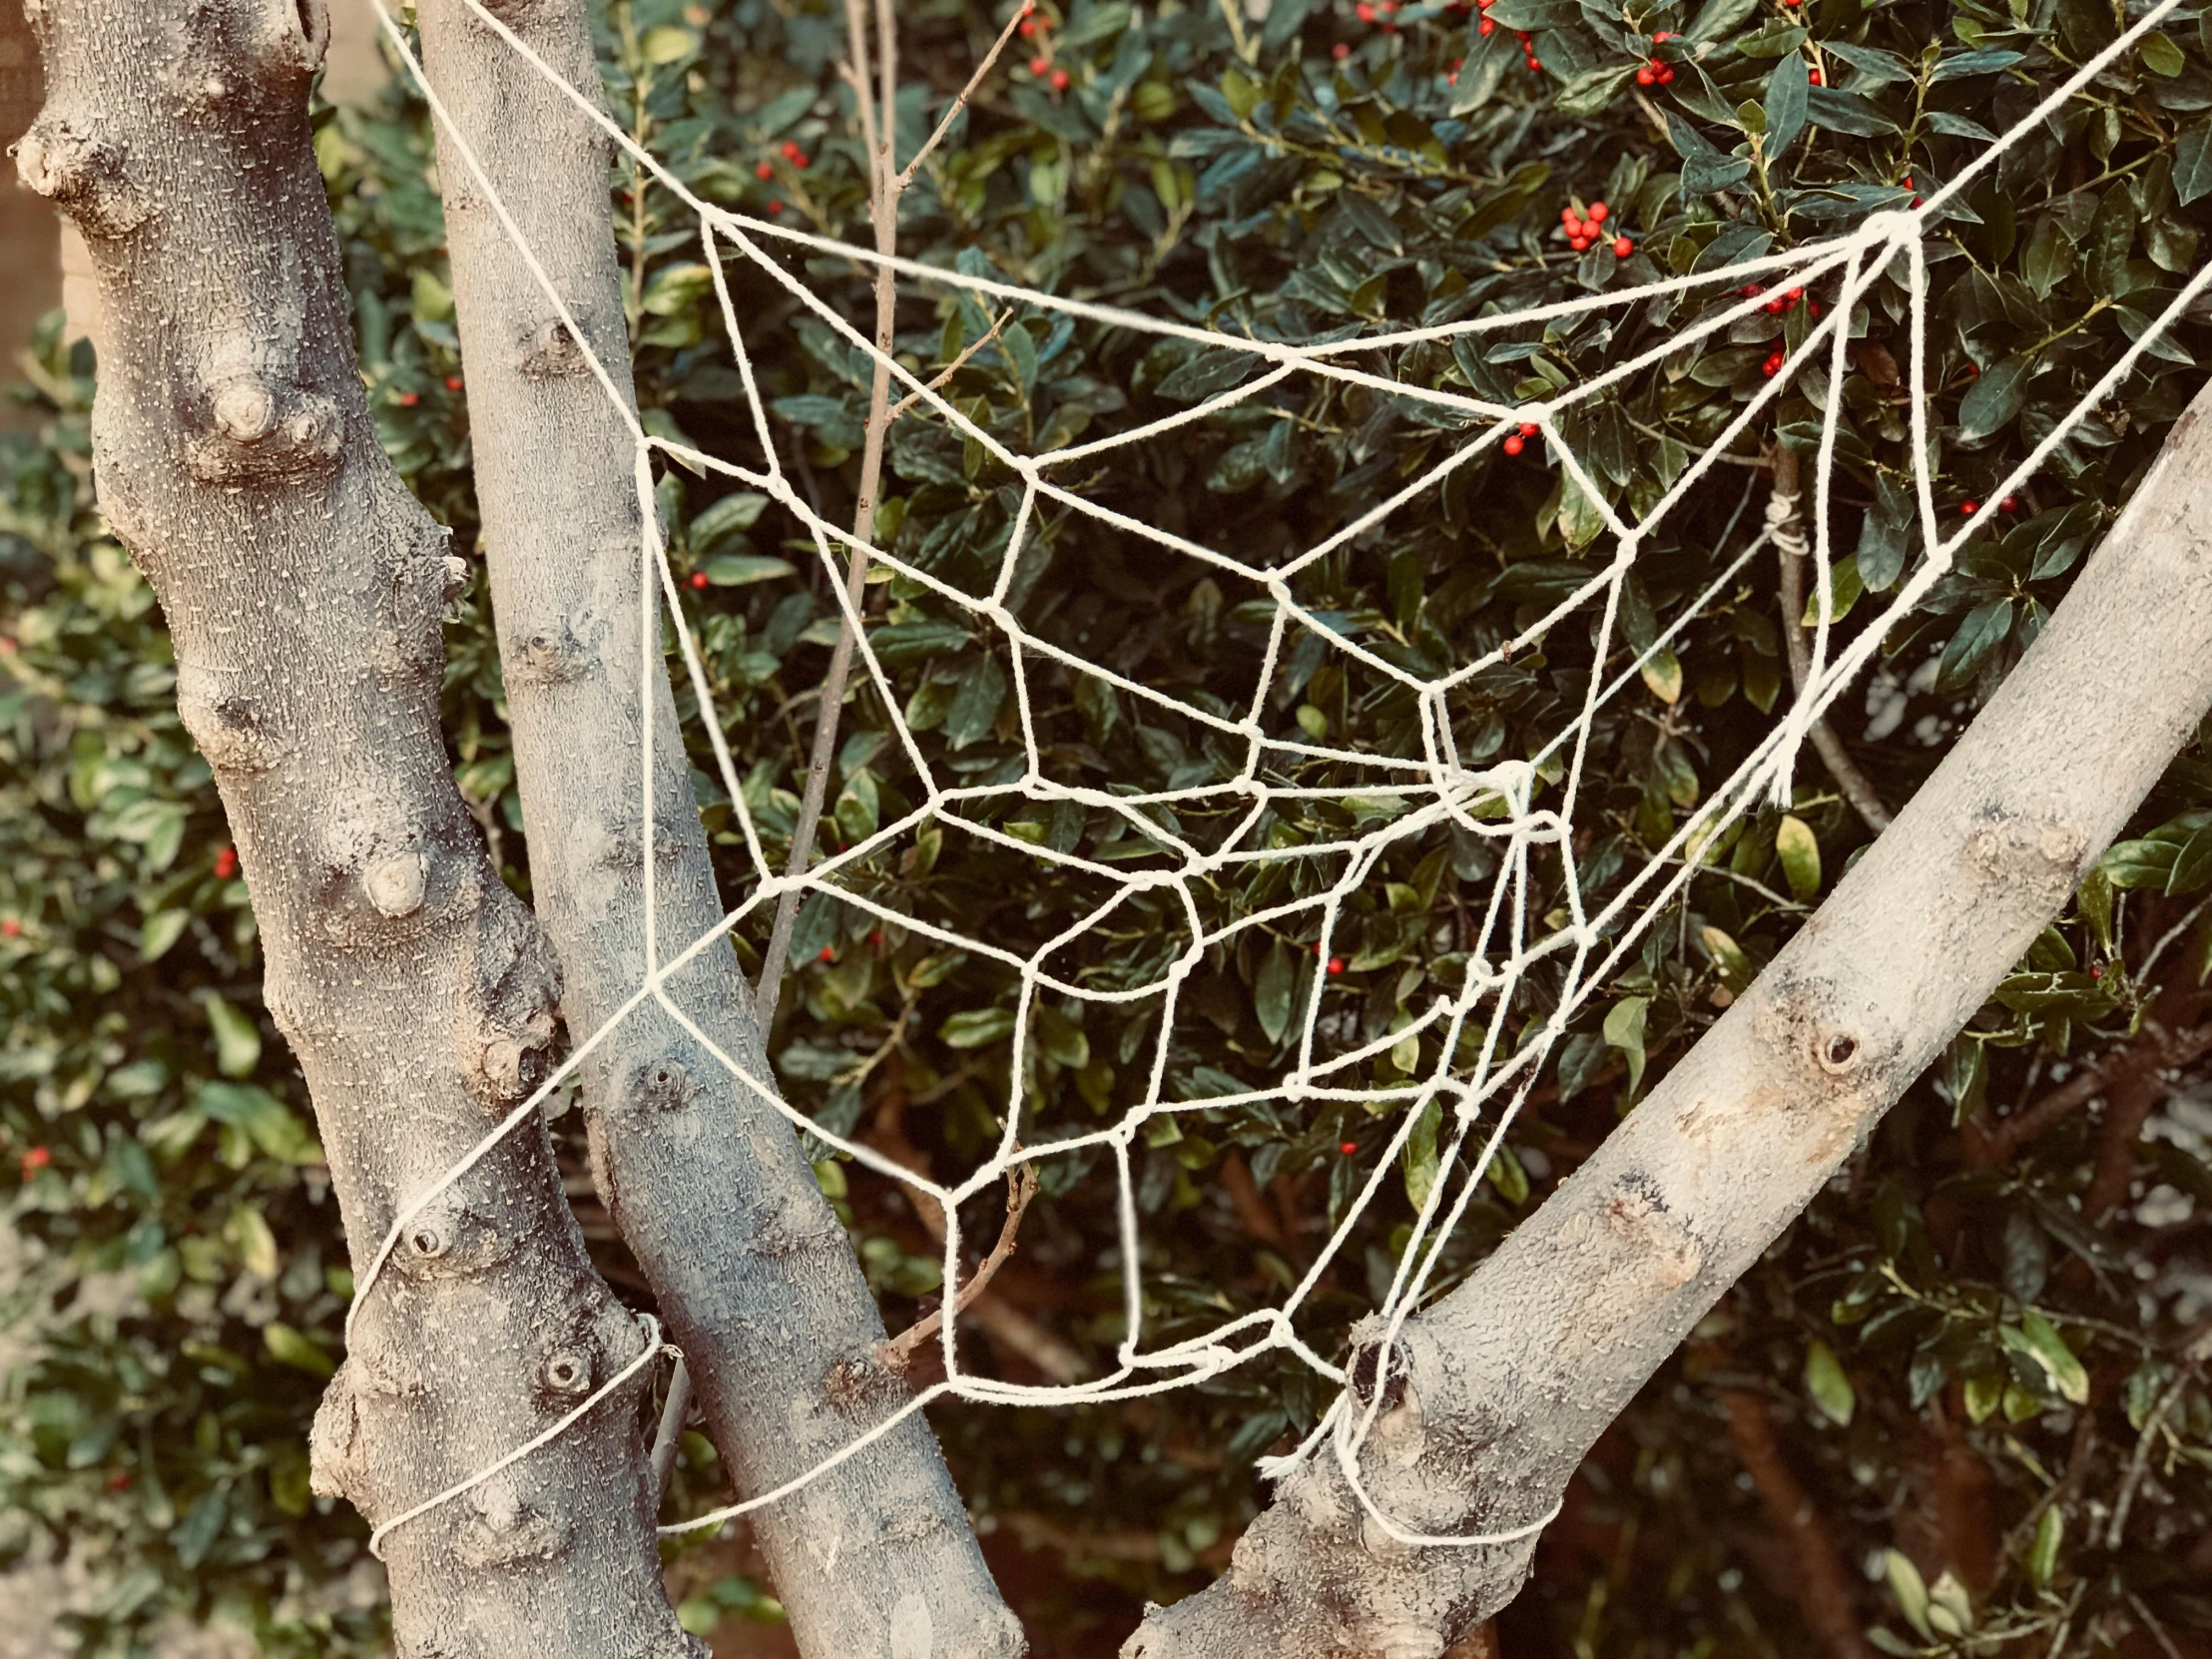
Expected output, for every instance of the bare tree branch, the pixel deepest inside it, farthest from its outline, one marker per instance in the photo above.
(305, 592)
(704, 1176)
(1485, 1403)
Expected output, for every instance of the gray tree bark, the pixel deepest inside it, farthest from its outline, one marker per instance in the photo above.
(704, 1178)
(304, 590)
(1498, 1392)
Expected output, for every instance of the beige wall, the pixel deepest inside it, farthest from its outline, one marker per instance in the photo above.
(39, 268)
(30, 276)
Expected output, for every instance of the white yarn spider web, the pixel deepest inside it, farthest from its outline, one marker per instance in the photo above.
(1500, 801)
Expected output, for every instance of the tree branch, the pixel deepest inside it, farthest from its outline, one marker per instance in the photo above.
(898, 1351)
(704, 1176)
(1787, 530)
(1491, 1398)
(1825, 1588)
(886, 186)
(304, 590)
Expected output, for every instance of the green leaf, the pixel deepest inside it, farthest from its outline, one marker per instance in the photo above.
(2161, 56)
(2050, 1532)
(2038, 1339)
(1273, 991)
(1993, 400)
(736, 570)
(290, 1348)
(2192, 864)
(1718, 19)
(2111, 238)
(1910, 1589)
(2194, 163)
(2139, 864)
(1508, 1176)
(1785, 104)
(1979, 639)
(1663, 674)
(2095, 901)
(161, 931)
(1624, 1030)
(976, 704)
(667, 43)
(732, 515)
(978, 1027)
(2050, 257)
(1799, 851)
(1844, 589)
(1417, 1161)
(237, 1041)
(1728, 959)
(1828, 1386)
(265, 1119)
(1983, 1392)
(1593, 89)
(248, 1228)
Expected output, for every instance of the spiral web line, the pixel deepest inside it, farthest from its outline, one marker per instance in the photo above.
(1497, 802)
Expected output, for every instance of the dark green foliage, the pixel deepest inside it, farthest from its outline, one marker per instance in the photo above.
(1936, 1326)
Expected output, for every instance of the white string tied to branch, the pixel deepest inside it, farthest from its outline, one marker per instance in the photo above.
(1496, 802)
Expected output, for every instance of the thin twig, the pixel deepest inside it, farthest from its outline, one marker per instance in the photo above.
(1789, 540)
(879, 132)
(897, 1352)
(2139, 1464)
(955, 366)
(671, 1432)
(967, 92)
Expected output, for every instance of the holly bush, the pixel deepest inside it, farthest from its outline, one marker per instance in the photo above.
(1979, 1359)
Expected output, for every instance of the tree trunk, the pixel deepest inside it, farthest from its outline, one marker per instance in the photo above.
(704, 1178)
(1500, 1388)
(303, 588)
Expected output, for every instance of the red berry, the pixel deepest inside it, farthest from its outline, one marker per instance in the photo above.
(1059, 80)
(226, 863)
(1536, 65)
(1598, 210)
(36, 1159)
(1967, 509)
(1772, 366)
(1815, 78)
(1645, 78)
(827, 954)
(1347, 1148)
(1364, 12)
(1341, 50)
(1514, 444)
(1660, 36)
(776, 207)
(698, 578)
(408, 399)
(1622, 248)
(1335, 964)
(800, 161)
(1029, 29)
(1666, 74)
(1039, 64)
(1777, 307)
(10, 927)
(453, 382)
(1529, 428)
(2010, 504)
(765, 170)
(1568, 215)
(1579, 244)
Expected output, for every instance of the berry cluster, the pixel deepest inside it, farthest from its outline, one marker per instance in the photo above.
(1583, 231)
(1515, 442)
(1039, 29)
(225, 863)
